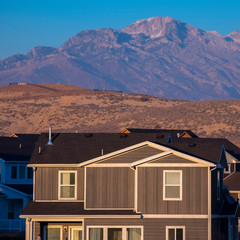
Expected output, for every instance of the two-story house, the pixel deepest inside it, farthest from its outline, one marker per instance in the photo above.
(16, 181)
(129, 187)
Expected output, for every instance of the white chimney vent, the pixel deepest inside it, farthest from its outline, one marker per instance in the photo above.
(50, 136)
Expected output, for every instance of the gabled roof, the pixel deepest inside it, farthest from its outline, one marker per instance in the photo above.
(24, 188)
(174, 132)
(69, 209)
(17, 149)
(74, 148)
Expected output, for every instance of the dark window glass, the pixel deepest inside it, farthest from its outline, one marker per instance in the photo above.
(179, 234)
(22, 172)
(13, 172)
(10, 210)
(114, 234)
(30, 173)
(171, 234)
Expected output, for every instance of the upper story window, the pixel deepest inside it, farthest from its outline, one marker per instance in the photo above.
(14, 172)
(172, 185)
(175, 232)
(228, 169)
(22, 172)
(67, 185)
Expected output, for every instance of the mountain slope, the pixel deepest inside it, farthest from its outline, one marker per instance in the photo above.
(32, 108)
(158, 56)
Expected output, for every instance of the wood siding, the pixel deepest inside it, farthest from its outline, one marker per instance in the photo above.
(133, 155)
(155, 229)
(194, 191)
(172, 159)
(47, 183)
(109, 187)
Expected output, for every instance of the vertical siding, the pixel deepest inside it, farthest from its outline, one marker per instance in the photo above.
(47, 183)
(155, 229)
(110, 187)
(194, 191)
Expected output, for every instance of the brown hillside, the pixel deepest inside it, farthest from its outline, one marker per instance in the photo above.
(32, 108)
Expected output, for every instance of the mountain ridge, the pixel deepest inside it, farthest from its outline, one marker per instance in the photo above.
(159, 56)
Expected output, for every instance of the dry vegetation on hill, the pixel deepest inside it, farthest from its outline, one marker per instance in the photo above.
(32, 108)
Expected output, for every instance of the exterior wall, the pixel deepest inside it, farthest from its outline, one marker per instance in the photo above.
(46, 186)
(8, 179)
(172, 159)
(194, 191)
(109, 187)
(155, 229)
(216, 205)
(133, 155)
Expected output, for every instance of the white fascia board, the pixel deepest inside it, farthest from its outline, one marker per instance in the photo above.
(113, 153)
(194, 159)
(148, 159)
(12, 189)
(234, 160)
(75, 217)
(53, 165)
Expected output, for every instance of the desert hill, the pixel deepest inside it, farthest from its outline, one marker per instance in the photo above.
(160, 56)
(32, 108)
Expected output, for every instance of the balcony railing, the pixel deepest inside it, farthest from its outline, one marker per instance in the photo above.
(12, 225)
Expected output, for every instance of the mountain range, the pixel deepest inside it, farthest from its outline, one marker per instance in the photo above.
(160, 56)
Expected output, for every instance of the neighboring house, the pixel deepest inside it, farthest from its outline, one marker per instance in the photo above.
(129, 187)
(16, 180)
(177, 133)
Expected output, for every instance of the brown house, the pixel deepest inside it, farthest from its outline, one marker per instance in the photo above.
(137, 186)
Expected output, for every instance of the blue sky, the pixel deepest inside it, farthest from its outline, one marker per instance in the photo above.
(25, 24)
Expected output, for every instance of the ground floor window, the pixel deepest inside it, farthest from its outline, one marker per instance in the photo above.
(115, 233)
(175, 233)
(75, 233)
(53, 232)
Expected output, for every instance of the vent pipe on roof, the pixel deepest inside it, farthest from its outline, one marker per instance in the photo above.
(20, 145)
(39, 150)
(102, 152)
(50, 136)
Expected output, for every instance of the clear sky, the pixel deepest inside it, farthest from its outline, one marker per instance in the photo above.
(25, 24)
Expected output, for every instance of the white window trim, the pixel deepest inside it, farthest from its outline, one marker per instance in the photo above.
(164, 185)
(124, 230)
(71, 228)
(229, 168)
(59, 185)
(53, 226)
(175, 227)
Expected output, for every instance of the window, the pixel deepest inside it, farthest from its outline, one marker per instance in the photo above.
(14, 172)
(75, 233)
(115, 233)
(29, 173)
(52, 232)
(95, 233)
(228, 168)
(175, 233)
(11, 210)
(134, 233)
(172, 185)
(22, 172)
(67, 185)
(218, 185)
